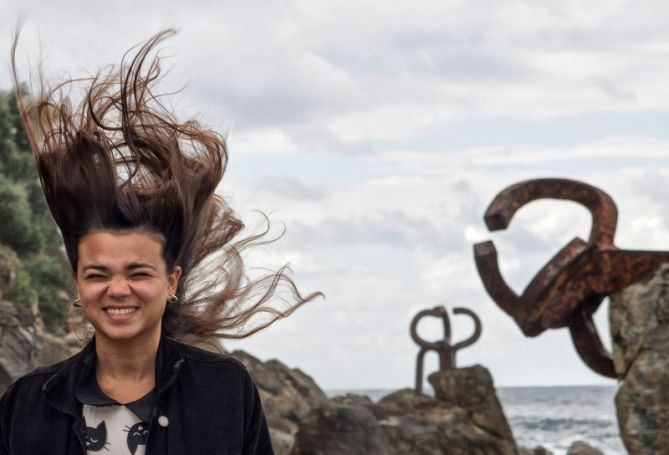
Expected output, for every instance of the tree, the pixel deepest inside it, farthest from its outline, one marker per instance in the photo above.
(42, 274)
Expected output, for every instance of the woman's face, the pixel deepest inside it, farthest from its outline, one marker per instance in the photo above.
(123, 285)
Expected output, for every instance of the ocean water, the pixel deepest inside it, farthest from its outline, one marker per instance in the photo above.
(552, 417)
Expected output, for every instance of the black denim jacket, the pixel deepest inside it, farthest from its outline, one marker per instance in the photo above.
(206, 404)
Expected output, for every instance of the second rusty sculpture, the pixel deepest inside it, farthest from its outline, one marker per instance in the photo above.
(569, 289)
(443, 347)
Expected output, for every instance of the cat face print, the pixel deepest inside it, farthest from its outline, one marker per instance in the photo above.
(96, 438)
(137, 436)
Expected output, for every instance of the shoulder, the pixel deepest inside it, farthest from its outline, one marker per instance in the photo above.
(32, 384)
(199, 357)
(39, 376)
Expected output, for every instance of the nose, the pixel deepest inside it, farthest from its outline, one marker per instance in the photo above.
(118, 288)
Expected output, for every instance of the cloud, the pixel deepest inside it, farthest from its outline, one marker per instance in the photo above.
(293, 188)
(379, 131)
(391, 228)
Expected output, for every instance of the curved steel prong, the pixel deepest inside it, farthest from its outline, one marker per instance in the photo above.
(589, 346)
(485, 255)
(601, 206)
(527, 309)
(419, 370)
(474, 336)
(439, 312)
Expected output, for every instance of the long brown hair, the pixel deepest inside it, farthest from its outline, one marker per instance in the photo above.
(119, 160)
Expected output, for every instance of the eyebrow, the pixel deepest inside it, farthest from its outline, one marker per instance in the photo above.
(131, 266)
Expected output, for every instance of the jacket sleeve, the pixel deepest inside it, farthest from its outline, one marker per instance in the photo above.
(256, 433)
(4, 421)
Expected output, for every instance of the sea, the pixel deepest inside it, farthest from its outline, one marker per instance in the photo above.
(552, 417)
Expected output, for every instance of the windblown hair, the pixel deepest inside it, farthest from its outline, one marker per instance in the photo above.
(120, 161)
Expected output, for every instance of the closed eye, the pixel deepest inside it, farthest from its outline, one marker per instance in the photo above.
(140, 275)
(95, 276)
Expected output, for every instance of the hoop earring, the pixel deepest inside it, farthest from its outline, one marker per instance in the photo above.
(77, 303)
(173, 299)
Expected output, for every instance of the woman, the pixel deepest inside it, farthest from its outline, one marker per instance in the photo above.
(132, 191)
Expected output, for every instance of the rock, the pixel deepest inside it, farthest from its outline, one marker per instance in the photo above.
(538, 450)
(338, 429)
(288, 397)
(582, 448)
(24, 345)
(465, 418)
(19, 340)
(639, 317)
(282, 442)
(407, 402)
(351, 399)
(472, 389)
(455, 422)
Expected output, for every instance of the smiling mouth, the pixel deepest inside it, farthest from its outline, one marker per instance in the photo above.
(116, 311)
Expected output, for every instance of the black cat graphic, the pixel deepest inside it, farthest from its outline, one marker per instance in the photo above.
(96, 438)
(137, 435)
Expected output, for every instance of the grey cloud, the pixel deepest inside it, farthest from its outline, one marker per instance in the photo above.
(392, 228)
(655, 185)
(616, 91)
(293, 188)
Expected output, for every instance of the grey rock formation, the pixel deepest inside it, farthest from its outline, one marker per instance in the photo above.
(539, 450)
(582, 448)
(464, 418)
(339, 429)
(288, 397)
(480, 400)
(639, 318)
(23, 345)
(19, 340)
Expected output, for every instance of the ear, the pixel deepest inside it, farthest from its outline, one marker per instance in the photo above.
(173, 280)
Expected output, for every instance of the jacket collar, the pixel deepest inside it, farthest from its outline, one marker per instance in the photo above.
(60, 389)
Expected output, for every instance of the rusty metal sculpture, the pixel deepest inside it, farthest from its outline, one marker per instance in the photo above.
(571, 286)
(443, 347)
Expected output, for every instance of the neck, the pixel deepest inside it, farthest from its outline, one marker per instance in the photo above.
(131, 360)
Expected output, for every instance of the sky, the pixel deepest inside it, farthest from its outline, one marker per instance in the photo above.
(378, 132)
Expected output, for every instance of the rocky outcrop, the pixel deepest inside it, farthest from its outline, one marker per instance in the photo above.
(19, 341)
(465, 417)
(24, 345)
(339, 429)
(639, 318)
(539, 450)
(480, 400)
(582, 448)
(288, 397)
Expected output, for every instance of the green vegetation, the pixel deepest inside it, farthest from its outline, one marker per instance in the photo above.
(33, 268)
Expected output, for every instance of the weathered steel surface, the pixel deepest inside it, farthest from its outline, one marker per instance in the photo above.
(571, 286)
(443, 347)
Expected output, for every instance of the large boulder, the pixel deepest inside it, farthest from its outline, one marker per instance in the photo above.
(19, 340)
(639, 317)
(288, 397)
(23, 345)
(538, 450)
(465, 417)
(472, 389)
(583, 448)
(339, 429)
